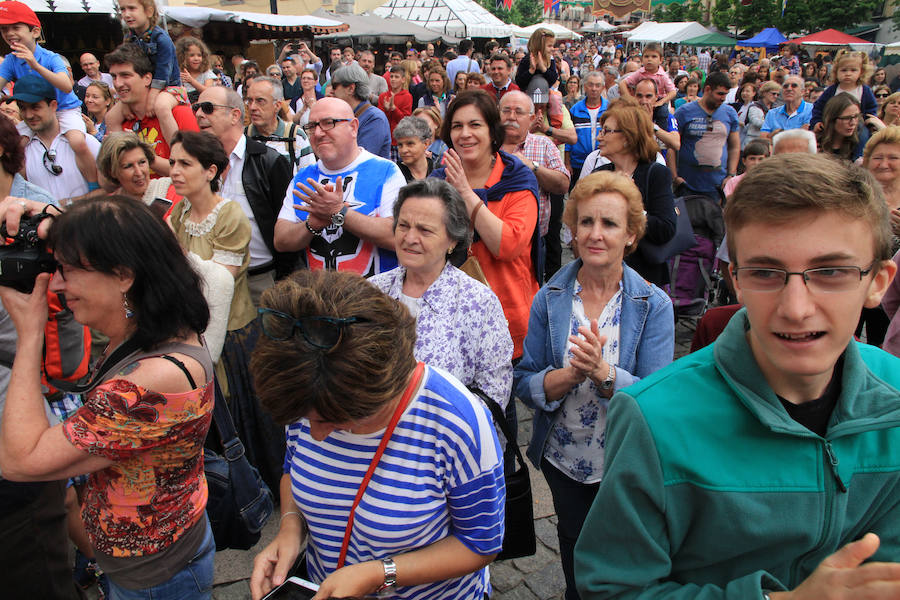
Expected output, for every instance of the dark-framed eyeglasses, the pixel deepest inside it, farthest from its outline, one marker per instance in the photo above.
(50, 163)
(325, 124)
(207, 107)
(607, 131)
(819, 279)
(318, 331)
(849, 118)
(882, 95)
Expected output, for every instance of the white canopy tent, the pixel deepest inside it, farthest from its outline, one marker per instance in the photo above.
(561, 32)
(459, 18)
(672, 33)
(598, 27)
(196, 16)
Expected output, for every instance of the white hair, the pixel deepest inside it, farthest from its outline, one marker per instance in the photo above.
(795, 134)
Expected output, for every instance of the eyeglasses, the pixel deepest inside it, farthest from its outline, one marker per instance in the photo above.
(321, 332)
(849, 118)
(607, 131)
(882, 95)
(790, 85)
(207, 107)
(61, 269)
(325, 124)
(50, 163)
(506, 111)
(820, 279)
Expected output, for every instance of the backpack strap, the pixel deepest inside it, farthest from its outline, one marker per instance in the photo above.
(361, 108)
(292, 139)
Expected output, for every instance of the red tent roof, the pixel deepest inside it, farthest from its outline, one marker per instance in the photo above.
(829, 37)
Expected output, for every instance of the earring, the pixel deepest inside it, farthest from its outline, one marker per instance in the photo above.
(129, 313)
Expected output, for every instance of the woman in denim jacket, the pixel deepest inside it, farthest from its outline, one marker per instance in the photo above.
(595, 327)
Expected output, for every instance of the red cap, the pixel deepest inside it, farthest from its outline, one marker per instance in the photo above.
(12, 12)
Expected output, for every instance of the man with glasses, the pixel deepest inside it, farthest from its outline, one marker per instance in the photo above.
(710, 141)
(340, 209)
(257, 178)
(91, 67)
(766, 465)
(541, 155)
(49, 160)
(795, 113)
(351, 84)
(264, 99)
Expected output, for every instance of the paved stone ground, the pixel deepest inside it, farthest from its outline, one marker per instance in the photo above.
(537, 577)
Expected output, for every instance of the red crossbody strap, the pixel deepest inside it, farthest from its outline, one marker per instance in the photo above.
(398, 412)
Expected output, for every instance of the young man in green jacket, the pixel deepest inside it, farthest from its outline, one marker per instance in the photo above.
(766, 466)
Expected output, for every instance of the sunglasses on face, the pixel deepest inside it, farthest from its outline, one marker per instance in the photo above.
(882, 95)
(320, 332)
(790, 85)
(206, 107)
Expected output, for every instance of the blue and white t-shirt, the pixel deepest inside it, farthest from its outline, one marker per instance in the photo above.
(370, 186)
(441, 474)
(13, 68)
(703, 157)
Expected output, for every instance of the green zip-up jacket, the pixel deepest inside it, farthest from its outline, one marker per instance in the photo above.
(712, 491)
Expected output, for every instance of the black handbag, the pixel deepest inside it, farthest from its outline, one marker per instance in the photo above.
(239, 502)
(518, 537)
(681, 241)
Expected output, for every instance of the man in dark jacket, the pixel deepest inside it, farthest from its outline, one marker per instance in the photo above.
(257, 179)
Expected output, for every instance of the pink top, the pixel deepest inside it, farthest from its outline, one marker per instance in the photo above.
(664, 85)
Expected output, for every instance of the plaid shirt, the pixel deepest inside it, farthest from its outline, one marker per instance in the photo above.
(704, 59)
(541, 150)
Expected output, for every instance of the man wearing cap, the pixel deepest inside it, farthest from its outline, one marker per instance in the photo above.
(586, 118)
(91, 67)
(132, 74)
(49, 159)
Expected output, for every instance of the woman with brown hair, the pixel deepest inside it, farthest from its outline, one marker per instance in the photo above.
(429, 519)
(627, 142)
(840, 121)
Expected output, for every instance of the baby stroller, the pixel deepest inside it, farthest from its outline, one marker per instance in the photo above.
(693, 272)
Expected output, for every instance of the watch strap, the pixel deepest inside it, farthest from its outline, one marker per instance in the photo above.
(390, 574)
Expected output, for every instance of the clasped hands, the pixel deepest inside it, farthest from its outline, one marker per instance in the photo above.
(587, 354)
(319, 201)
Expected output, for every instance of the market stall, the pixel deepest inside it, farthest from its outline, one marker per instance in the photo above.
(831, 39)
(459, 18)
(559, 31)
(710, 40)
(764, 42)
(368, 29)
(665, 33)
(71, 27)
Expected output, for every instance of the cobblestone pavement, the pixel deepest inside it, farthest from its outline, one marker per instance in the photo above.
(537, 577)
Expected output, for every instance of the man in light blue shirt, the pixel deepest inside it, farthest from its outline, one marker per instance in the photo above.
(795, 113)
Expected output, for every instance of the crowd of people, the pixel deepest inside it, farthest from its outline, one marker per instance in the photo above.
(351, 260)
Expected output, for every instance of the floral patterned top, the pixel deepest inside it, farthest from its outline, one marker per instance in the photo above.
(155, 490)
(460, 328)
(577, 439)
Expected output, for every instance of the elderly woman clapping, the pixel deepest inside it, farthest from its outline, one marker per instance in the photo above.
(335, 364)
(597, 326)
(413, 136)
(459, 321)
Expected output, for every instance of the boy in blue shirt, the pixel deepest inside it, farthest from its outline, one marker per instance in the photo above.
(21, 29)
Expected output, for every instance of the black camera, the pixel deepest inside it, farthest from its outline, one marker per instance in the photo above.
(25, 256)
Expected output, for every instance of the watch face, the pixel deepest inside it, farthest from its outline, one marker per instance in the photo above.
(337, 219)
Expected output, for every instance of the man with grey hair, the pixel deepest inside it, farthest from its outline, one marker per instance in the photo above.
(265, 97)
(377, 84)
(794, 140)
(630, 67)
(586, 117)
(542, 156)
(257, 179)
(351, 84)
(795, 113)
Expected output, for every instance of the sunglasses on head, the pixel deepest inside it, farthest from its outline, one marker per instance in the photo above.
(320, 332)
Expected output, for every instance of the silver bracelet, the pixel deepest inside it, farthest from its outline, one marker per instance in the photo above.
(292, 512)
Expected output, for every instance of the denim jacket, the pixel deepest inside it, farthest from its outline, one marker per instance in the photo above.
(646, 342)
(161, 51)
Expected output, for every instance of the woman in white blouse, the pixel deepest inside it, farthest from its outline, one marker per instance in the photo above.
(595, 327)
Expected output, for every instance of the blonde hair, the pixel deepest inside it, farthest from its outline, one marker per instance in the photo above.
(865, 69)
(609, 182)
(888, 135)
(536, 42)
(636, 126)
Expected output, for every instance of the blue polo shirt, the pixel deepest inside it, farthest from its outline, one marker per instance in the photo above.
(777, 118)
(14, 67)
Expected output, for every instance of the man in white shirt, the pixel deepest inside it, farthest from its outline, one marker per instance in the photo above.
(340, 210)
(464, 62)
(377, 84)
(257, 179)
(91, 67)
(49, 160)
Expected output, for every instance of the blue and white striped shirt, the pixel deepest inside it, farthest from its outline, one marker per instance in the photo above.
(441, 474)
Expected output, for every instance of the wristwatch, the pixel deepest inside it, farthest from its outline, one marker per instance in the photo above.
(549, 132)
(390, 574)
(311, 230)
(610, 380)
(337, 219)
(534, 167)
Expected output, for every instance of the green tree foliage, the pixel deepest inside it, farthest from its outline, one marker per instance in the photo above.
(805, 16)
(680, 11)
(523, 12)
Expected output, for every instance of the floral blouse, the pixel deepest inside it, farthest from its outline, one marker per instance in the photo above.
(577, 440)
(155, 489)
(460, 327)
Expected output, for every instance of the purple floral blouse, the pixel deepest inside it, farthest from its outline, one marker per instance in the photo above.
(461, 329)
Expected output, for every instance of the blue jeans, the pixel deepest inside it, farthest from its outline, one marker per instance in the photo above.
(193, 582)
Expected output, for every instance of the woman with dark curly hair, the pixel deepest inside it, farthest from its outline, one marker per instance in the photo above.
(141, 430)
